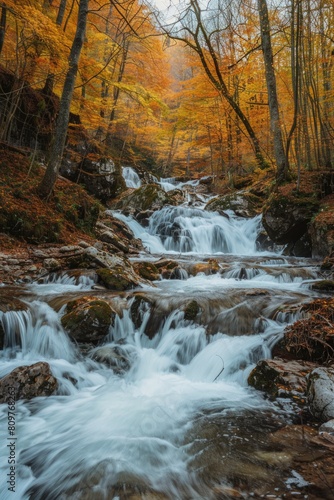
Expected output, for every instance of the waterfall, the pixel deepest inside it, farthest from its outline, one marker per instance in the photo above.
(170, 183)
(136, 412)
(132, 179)
(193, 230)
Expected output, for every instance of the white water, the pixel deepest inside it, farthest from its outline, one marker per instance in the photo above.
(132, 179)
(196, 231)
(103, 427)
(170, 183)
(135, 424)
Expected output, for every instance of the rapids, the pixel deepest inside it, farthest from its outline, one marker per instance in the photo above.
(144, 426)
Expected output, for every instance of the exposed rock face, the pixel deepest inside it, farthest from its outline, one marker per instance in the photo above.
(27, 382)
(100, 176)
(88, 319)
(286, 221)
(147, 197)
(280, 378)
(321, 229)
(242, 203)
(320, 393)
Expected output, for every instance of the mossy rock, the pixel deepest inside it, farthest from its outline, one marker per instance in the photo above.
(147, 197)
(323, 286)
(117, 279)
(139, 306)
(191, 310)
(286, 218)
(88, 320)
(147, 270)
(242, 203)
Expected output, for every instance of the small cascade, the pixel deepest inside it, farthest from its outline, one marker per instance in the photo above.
(131, 413)
(170, 183)
(56, 283)
(192, 230)
(132, 179)
(35, 333)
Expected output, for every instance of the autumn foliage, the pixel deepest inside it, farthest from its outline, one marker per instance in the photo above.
(141, 88)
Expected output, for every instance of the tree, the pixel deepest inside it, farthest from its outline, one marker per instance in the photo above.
(3, 25)
(46, 186)
(280, 156)
(200, 33)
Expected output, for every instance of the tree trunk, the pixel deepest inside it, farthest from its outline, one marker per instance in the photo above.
(46, 186)
(280, 157)
(3, 25)
(61, 12)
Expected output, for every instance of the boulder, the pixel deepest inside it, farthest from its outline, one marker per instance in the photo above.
(320, 393)
(147, 197)
(147, 270)
(118, 358)
(281, 378)
(88, 319)
(100, 176)
(243, 203)
(321, 229)
(191, 310)
(118, 278)
(286, 218)
(27, 382)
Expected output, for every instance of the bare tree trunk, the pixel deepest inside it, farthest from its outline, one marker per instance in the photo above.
(280, 157)
(46, 186)
(3, 20)
(61, 12)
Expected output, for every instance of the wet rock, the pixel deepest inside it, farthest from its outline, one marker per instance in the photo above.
(52, 264)
(147, 197)
(300, 248)
(139, 306)
(320, 393)
(210, 267)
(117, 358)
(323, 286)
(286, 218)
(242, 203)
(143, 217)
(191, 310)
(118, 278)
(281, 378)
(167, 267)
(321, 229)
(27, 382)
(88, 319)
(147, 270)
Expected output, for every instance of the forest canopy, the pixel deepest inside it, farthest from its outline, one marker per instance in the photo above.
(189, 86)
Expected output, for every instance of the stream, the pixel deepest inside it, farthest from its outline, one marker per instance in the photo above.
(176, 418)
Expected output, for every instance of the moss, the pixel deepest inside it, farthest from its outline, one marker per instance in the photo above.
(324, 286)
(191, 310)
(147, 271)
(115, 279)
(88, 321)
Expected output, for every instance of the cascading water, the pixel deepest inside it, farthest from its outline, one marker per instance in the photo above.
(132, 179)
(193, 230)
(133, 412)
